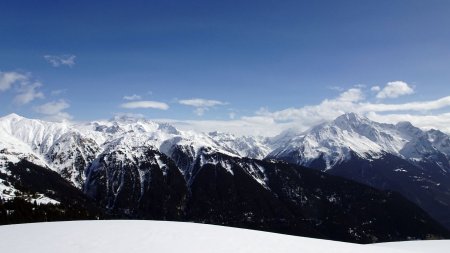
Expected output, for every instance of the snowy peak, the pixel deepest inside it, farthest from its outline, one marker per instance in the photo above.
(352, 134)
(11, 117)
(351, 119)
(244, 146)
(70, 148)
(358, 125)
(334, 142)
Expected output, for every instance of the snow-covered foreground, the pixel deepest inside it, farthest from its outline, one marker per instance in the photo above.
(430, 246)
(161, 236)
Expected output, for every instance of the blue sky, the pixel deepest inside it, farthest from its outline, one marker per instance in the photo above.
(222, 62)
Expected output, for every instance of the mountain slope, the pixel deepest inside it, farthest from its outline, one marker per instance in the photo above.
(70, 148)
(300, 201)
(397, 157)
(31, 193)
(142, 169)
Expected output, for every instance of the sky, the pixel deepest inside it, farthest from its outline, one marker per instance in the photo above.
(248, 67)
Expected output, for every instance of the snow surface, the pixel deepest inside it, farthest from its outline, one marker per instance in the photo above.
(162, 236)
(432, 246)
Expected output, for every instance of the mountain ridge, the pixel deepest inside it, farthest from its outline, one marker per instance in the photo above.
(130, 165)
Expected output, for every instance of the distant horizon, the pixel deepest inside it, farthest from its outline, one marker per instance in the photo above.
(211, 128)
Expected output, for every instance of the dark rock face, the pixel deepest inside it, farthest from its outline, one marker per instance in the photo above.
(266, 195)
(346, 210)
(427, 185)
(31, 181)
(304, 202)
(139, 187)
(219, 197)
(241, 192)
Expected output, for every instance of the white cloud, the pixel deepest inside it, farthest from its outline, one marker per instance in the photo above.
(201, 105)
(145, 104)
(132, 97)
(437, 121)
(244, 126)
(351, 95)
(54, 110)
(395, 89)
(52, 107)
(375, 88)
(60, 60)
(421, 106)
(200, 102)
(352, 101)
(28, 92)
(126, 115)
(59, 117)
(23, 86)
(200, 110)
(266, 122)
(329, 109)
(8, 79)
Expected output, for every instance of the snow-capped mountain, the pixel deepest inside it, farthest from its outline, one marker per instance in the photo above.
(144, 169)
(70, 148)
(336, 141)
(397, 157)
(109, 159)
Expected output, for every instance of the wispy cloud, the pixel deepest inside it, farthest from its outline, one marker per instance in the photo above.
(28, 92)
(146, 105)
(352, 100)
(356, 99)
(25, 88)
(243, 126)
(394, 89)
(8, 79)
(419, 106)
(375, 88)
(58, 92)
(351, 95)
(132, 97)
(200, 102)
(54, 110)
(52, 107)
(439, 121)
(126, 115)
(201, 105)
(335, 88)
(61, 60)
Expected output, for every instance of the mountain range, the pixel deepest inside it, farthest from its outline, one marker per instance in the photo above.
(351, 179)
